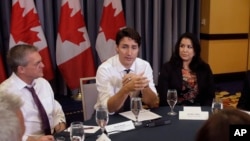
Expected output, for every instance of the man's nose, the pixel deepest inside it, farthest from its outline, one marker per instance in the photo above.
(129, 51)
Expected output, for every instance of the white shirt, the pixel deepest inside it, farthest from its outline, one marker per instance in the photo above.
(110, 73)
(30, 112)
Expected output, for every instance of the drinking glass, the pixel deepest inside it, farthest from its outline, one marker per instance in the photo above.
(217, 105)
(102, 117)
(77, 131)
(136, 106)
(172, 100)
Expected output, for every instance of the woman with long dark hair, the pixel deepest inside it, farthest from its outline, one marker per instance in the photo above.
(187, 73)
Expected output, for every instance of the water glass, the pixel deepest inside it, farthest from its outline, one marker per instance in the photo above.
(77, 131)
(102, 117)
(172, 99)
(217, 105)
(136, 107)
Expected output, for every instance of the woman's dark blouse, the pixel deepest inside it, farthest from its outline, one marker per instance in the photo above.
(171, 78)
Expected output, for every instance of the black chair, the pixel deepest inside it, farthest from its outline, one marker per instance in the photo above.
(244, 100)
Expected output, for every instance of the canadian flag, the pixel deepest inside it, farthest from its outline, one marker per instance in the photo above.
(73, 54)
(112, 21)
(2, 71)
(26, 29)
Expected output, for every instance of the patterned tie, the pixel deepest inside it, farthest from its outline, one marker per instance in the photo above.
(126, 106)
(43, 114)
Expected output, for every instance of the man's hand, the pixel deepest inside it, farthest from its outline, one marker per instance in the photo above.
(135, 82)
(60, 127)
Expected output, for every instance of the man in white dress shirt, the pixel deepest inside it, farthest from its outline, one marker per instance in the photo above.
(115, 83)
(26, 64)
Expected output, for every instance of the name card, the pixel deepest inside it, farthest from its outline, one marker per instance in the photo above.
(191, 115)
(120, 127)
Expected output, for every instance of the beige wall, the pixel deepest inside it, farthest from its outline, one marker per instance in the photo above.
(225, 17)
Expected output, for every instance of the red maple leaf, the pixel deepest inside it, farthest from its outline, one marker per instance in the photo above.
(111, 23)
(21, 26)
(69, 26)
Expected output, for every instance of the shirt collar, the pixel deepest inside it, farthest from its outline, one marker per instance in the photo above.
(20, 83)
(120, 67)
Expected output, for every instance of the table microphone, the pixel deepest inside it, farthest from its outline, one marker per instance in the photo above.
(158, 123)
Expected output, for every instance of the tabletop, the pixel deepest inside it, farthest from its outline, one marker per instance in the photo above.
(177, 130)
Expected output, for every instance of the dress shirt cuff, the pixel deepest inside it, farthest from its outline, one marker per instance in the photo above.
(59, 120)
(24, 138)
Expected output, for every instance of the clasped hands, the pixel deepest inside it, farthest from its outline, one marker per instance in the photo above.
(135, 82)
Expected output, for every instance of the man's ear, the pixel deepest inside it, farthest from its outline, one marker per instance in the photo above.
(20, 69)
(117, 50)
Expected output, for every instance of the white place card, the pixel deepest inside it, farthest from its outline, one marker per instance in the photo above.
(191, 115)
(120, 127)
(143, 115)
(192, 108)
(87, 129)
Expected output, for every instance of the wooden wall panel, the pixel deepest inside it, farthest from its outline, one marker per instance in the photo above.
(227, 56)
(229, 16)
(225, 35)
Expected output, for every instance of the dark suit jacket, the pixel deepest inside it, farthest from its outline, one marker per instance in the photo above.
(171, 78)
(244, 101)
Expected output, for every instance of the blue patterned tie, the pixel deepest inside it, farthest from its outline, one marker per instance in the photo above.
(43, 114)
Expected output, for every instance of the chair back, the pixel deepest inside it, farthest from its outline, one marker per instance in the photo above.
(89, 96)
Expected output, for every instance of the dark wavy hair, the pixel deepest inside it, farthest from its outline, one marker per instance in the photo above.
(128, 32)
(196, 60)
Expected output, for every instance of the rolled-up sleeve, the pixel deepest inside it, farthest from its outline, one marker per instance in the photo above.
(58, 113)
(103, 87)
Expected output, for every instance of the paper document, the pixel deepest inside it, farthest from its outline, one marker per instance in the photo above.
(143, 115)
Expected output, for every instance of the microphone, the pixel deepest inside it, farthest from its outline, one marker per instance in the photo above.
(158, 123)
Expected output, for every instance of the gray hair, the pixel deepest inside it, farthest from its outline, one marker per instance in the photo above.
(17, 55)
(10, 125)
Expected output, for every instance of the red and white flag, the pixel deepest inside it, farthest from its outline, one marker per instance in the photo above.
(73, 54)
(2, 71)
(112, 21)
(3, 75)
(26, 29)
